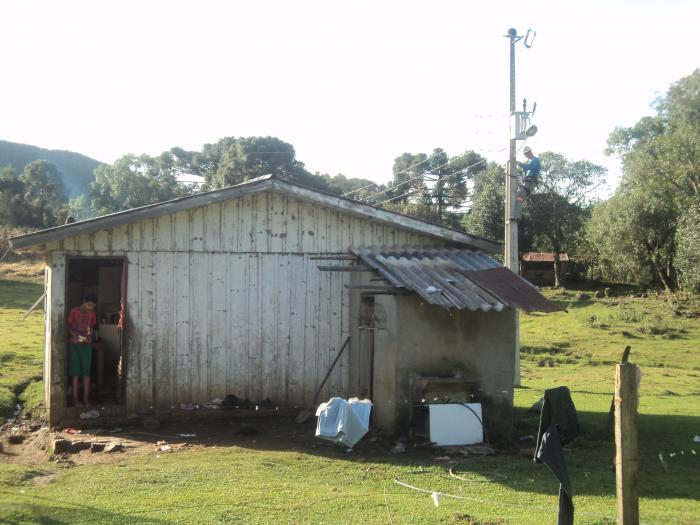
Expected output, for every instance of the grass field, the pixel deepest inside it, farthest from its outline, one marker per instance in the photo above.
(252, 483)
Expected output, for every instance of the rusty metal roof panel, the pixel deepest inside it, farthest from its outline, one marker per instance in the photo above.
(454, 278)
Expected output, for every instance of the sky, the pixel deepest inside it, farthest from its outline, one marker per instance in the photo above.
(351, 85)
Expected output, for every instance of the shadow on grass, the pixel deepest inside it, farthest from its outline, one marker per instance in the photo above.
(589, 456)
(21, 509)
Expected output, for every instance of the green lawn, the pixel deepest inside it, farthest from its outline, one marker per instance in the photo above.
(21, 343)
(252, 483)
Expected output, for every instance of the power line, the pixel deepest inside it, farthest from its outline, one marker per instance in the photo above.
(398, 173)
(422, 175)
(443, 179)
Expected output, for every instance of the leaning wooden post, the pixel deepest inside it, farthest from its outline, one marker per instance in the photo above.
(627, 453)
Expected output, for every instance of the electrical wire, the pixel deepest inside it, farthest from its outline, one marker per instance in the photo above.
(443, 179)
(398, 173)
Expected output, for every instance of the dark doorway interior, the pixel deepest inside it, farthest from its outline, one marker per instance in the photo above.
(106, 279)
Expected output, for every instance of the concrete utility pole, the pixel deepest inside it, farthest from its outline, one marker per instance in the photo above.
(510, 257)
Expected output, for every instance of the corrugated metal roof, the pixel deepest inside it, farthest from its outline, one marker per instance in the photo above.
(543, 257)
(455, 278)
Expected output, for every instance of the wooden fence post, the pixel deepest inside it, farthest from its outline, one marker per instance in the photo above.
(627, 452)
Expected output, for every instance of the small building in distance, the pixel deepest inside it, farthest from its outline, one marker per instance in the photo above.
(538, 267)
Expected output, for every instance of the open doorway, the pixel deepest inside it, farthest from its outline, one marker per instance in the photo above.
(105, 279)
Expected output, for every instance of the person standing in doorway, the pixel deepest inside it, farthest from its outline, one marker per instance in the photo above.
(81, 323)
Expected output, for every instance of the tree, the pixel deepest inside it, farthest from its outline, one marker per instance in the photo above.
(43, 194)
(661, 179)
(557, 211)
(133, 181)
(433, 187)
(234, 160)
(485, 218)
(632, 237)
(11, 190)
(688, 248)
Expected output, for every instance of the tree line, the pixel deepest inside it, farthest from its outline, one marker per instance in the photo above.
(645, 234)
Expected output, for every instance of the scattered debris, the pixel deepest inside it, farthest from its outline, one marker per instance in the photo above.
(436, 496)
(472, 450)
(70, 430)
(79, 445)
(399, 448)
(696, 439)
(187, 435)
(97, 447)
(90, 414)
(165, 448)
(15, 439)
(432, 290)
(61, 446)
(114, 447)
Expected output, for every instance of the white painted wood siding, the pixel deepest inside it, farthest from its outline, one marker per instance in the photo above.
(225, 299)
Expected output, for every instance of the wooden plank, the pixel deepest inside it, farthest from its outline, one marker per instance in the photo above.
(324, 342)
(212, 221)
(295, 360)
(182, 377)
(626, 444)
(230, 226)
(164, 328)
(218, 327)
(146, 323)
(284, 282)
(238, 380)
(55, 349)
(197, 230)
(310, 378)
(294, 238)
(134, 327)
(267, 323)
(199, 313)
(163, 233)
(252, 336)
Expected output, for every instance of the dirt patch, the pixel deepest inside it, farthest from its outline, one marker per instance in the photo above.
(111, 445)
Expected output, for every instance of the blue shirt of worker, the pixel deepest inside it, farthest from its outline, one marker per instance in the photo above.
(531, 169)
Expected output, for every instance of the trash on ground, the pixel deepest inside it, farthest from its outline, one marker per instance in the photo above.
(187, 435)
(343, 421)
(71, 430)
(436, 498)
(696, 439)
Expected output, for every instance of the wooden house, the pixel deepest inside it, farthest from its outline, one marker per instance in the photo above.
(253, 289)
